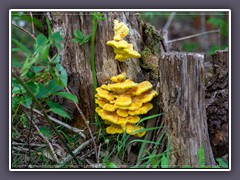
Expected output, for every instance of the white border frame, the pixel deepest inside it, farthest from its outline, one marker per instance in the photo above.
(116, 10)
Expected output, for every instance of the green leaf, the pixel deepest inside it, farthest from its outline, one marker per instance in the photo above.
(150, 117)
(42, 91)
(18, 90)
(46, 131)
(16, 50)
(63, 75)
(16, 63)
(111, 165)
(27, 101)
(164, 162)
(76, 40)
(85, 39)
(16, 100)
(30, 19)
(44, 52)
(22, 47)
(53, 87)
(40, 41)
(222, 163)
(30, 74)
(77, 33)
(60, 112)
(33, 87)
(25, 68)
(36, 69)
(57, 109)
(57, 36)
(52, 104)
(67, 96)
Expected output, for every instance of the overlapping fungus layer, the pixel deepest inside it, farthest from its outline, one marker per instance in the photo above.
(122, 48)
(121, 102)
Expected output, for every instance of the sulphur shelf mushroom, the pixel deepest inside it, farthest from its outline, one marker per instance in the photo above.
(121, 102)
(122, 48)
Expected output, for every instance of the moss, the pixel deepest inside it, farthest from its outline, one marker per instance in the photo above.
(150, 62)
(152, 39)
(151, 51)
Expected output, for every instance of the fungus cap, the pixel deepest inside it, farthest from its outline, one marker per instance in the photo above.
(134, 130)
(122, 86)
(122, 113)
(120, 30)
(123, 100)
(142, 110)
(104, 94)
(142, 87)
(119, 78)
(148, 96)
(114, 129)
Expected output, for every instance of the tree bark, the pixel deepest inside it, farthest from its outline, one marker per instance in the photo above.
(182, 95)
(217, 103)
(76, 58)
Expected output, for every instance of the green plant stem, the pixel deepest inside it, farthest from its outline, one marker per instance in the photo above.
(46, 117)
(94, 75)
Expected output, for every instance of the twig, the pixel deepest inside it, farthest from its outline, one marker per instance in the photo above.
(24, 30)
(29, 136)
(32, 22)
(69, 158)
(89, 129)
(44, 138)
(76, 130)
(46, 116)
(192, 36)
(24, 144)
(91, 164)
(169, 21)
(49, 144)
(20, 149)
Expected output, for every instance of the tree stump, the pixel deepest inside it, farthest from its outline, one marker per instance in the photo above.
(76, 58)
(217, 103)
(182, 96)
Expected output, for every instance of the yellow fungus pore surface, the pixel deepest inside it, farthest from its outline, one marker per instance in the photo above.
(121, 102)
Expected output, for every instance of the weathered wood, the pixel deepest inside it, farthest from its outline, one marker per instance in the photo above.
(182, 95)
(217, 103)
(76, 58)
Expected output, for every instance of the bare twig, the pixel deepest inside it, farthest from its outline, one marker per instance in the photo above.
(89, 129)
(169, 21)
(32, 22)
(49, 144)
(22, 149)
(75, 152)
(76, 130)
(44, 138)
(24, 144)
(29, 136)
(24, 30)
(194, 35)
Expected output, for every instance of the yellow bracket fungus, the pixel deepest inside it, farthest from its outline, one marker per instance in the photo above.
(120, 30)
(122, 48)
(121, 102)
